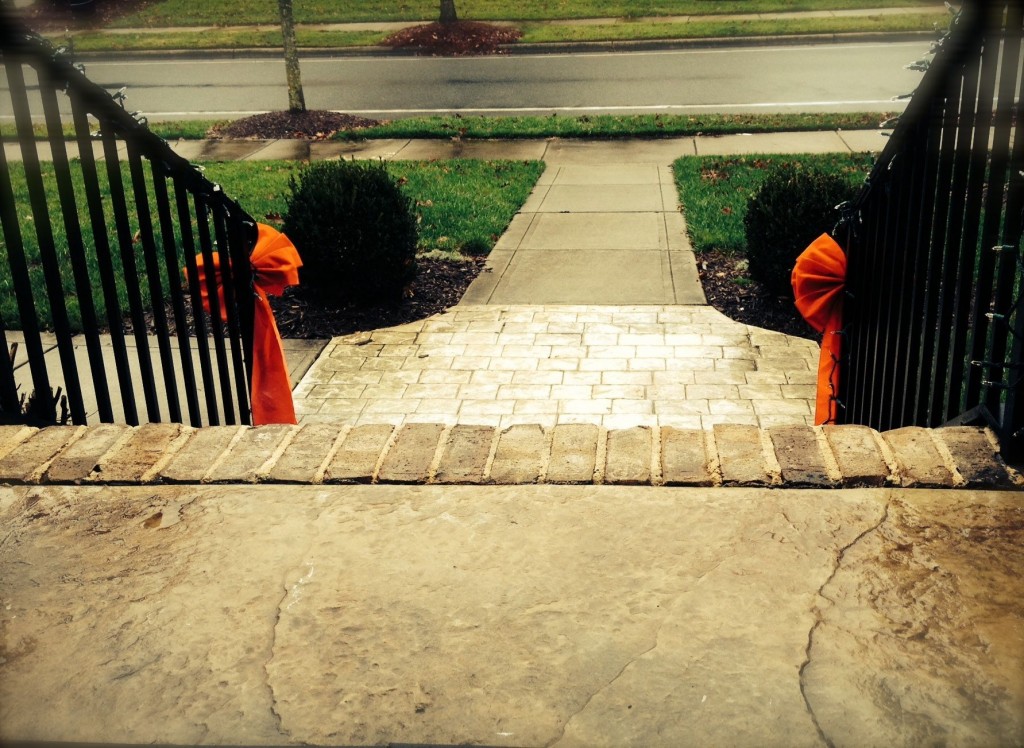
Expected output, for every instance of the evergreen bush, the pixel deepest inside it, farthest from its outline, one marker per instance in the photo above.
(792, 207)
(355, 230)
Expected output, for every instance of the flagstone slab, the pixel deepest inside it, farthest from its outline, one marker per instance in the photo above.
(510, 615)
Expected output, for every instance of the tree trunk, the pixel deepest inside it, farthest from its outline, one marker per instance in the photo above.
(296, 101)
(448, 14)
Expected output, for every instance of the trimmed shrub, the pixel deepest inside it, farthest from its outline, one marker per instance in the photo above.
(355, 230)
(791, 208)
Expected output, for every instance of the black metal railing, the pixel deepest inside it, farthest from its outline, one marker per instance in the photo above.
(933, 326)
(97, 227)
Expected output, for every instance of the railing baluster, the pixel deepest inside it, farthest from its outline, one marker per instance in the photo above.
(933, 381)
(130, 270)
(986, 300)
(188, 249)
(76, 246)
(223, 373)
(230, 269)
(975, 276)
(104, 259)
(22, 283)
(44, 235)
(172, 266)
(156, 294)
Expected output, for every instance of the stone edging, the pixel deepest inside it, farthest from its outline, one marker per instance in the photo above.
(429, 453)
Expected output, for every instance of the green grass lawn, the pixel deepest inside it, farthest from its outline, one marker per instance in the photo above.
(234, 12)
(533, 32)
(459, 204)
(611, 126)
(715, 190)
(556, 126)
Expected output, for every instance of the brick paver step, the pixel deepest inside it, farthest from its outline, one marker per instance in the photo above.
(432, 453)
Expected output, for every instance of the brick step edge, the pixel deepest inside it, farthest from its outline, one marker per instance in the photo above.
(430, 453)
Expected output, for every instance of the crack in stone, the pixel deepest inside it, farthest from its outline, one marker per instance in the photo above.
(280, 610)
(669, 613)
(840, 555)
(605, 687)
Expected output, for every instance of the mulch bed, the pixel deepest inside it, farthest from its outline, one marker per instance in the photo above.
(439, 284)
(313, 124)
(748, 302)
(454, 39)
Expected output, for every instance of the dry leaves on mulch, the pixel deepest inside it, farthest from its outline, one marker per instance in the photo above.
(746, 301)
(454, 39)
(313, 124)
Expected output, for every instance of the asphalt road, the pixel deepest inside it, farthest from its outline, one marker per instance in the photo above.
(828, 77)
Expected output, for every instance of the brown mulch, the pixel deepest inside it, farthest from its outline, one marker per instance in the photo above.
(454, 39)
(439, 284)
(730, 290)
(48, 15)
(313, 124)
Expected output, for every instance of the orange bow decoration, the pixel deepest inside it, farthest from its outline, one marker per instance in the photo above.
(819, 280)
(275, 266)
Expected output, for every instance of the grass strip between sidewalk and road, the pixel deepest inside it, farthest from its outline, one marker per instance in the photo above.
(553, 126)
(533, 33)
(243, 12)
(715, 190)
(459, 204)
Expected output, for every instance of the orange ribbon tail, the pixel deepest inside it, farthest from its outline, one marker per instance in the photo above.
(275, 266)
(819, 280)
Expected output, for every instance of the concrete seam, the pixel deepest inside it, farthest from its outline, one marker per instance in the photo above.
(389, 444)
(947, 458)
(263, 470)
(491, 452)
(265, 146)
(21, 436)
(600, 455)
(318, 475)
(439, 448)
(239, 432)
(657, 473)
(771, 460)
(668, 253)
(832, 469)
(172, 448)
(894, 478)
(36, 476)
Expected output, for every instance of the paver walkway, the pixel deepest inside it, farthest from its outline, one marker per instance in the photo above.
(590, 311)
